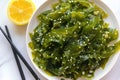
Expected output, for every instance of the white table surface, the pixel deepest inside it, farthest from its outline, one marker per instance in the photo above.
(8, 67)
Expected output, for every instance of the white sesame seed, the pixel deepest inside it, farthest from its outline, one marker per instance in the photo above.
(91, 71)
(56, 58)
(73, 64)
(83, 72)
(89, 75)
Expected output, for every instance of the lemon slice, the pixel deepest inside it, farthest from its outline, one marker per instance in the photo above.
(20, 11)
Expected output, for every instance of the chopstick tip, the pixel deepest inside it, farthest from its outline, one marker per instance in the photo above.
(5, 25)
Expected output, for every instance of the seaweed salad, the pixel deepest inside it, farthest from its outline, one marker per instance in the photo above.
(72, 39)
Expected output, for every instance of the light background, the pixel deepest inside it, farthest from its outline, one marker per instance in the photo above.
(8, 67)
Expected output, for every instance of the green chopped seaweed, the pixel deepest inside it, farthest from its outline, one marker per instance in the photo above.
(72, 40)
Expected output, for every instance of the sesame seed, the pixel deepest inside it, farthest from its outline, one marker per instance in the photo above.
(56, 58)
(89, 75)
(73, 64)
(91, 71)
(83, 72)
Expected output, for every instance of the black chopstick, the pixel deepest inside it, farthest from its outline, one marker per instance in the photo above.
(19, 54)
(15, 56)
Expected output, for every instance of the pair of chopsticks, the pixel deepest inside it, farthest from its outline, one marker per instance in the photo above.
(17, 54)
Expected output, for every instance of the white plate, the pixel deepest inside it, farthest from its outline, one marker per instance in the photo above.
(111, 20)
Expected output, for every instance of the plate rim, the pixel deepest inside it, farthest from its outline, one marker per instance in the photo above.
(27, 35)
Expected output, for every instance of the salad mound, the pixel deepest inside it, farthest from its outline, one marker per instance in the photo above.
(72, 39)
